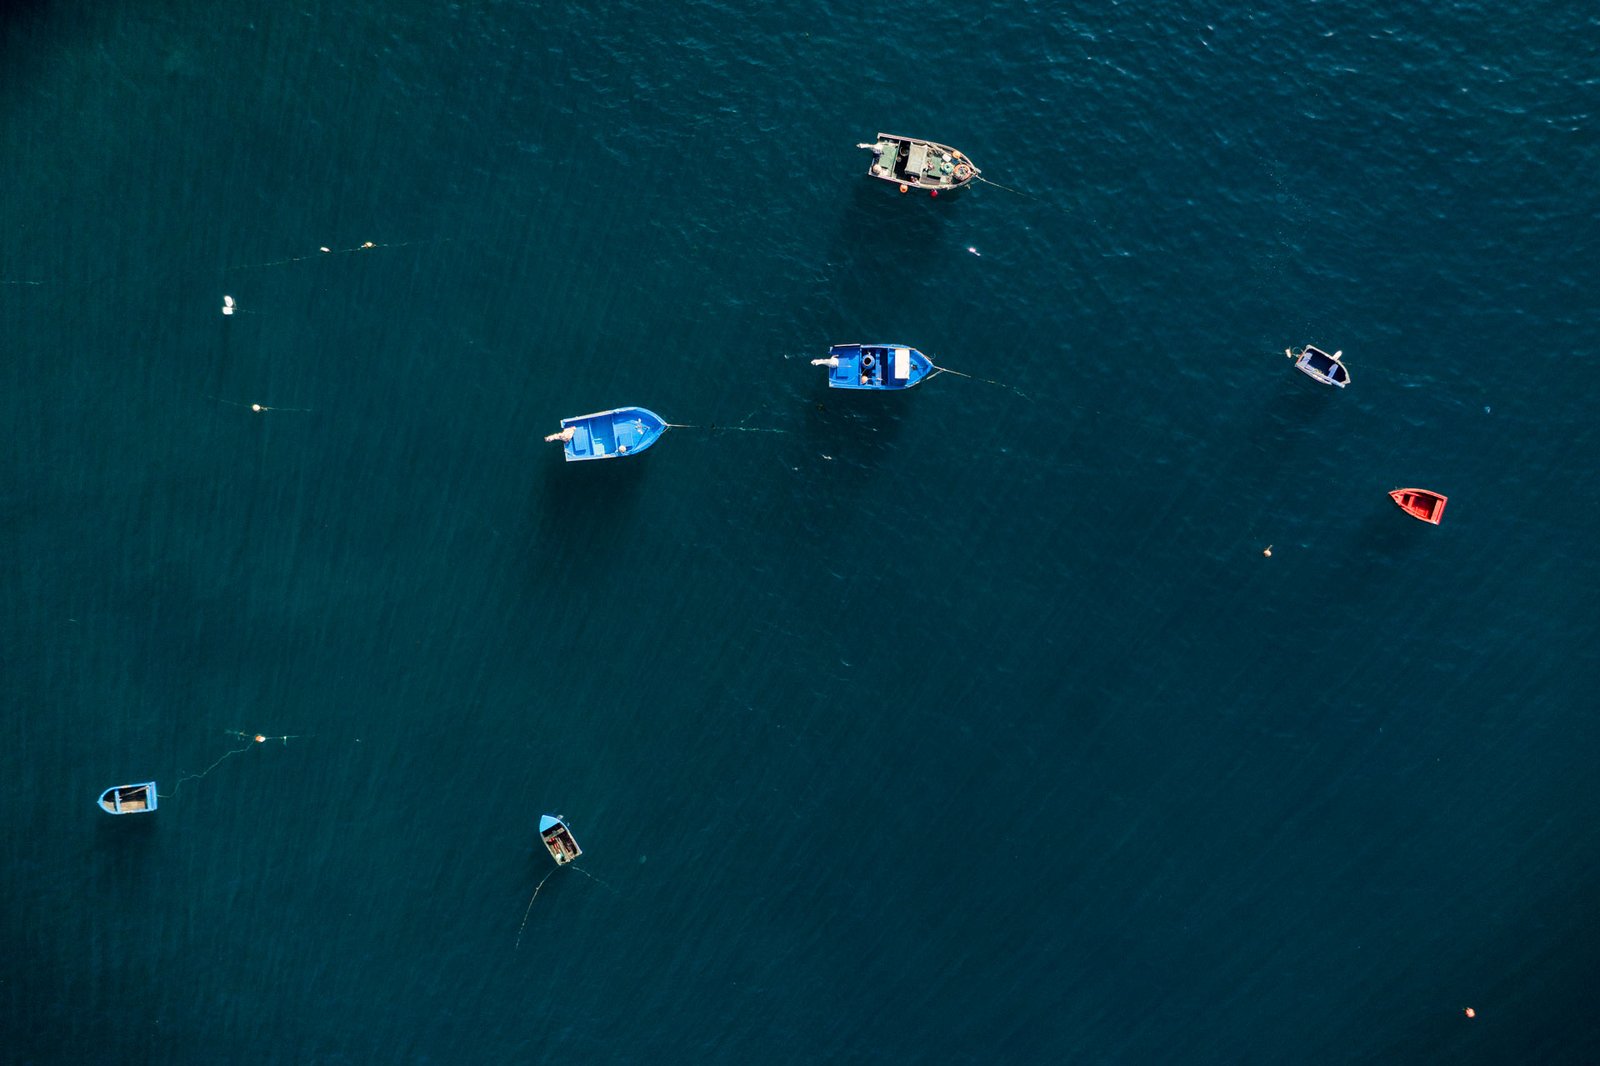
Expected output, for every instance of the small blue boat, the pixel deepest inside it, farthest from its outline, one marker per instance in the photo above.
(609, 434)
(558, 839)
(874, 366)
(129, 799)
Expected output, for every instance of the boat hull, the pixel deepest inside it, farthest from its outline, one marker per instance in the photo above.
(558, 840)
(1424, 505)
(129, 799)
(915, 165)
(616, 434)
(875, 367)
(1318, 365)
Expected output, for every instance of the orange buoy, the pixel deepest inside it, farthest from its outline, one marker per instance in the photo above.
(1469, 1012)
(904, 189)
(260, 739)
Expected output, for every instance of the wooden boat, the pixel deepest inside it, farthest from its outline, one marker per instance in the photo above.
(129, 799)
(874, 366)
(558, 838)
(1318, 364)
(613, 434)
(911, 163)
(1423, 504)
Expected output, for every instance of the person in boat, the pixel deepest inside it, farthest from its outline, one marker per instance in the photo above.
(564, 436)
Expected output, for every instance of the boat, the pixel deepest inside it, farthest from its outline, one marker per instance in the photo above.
(614, 434)
(1422, 504)
(1318, 364)
(129, 799)
(874, 366)
(911, 163)
(558, 838)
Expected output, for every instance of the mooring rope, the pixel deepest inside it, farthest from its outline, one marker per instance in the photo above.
(1007, 188)
(529, 911)
(937, 370)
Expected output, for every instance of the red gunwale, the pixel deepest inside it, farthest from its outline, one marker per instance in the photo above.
(1421, 504)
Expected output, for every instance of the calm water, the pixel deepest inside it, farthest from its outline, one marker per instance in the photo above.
(957, 726)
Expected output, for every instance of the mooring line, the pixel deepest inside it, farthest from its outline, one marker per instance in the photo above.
(253, 738)
(1007, 188)
(937, 370)
(529, 911)
(325, 250)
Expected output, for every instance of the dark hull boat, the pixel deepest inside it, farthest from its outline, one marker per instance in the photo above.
(558, 839)
(916, 164)
(1319, 365)
(1421, 504)
(129, 799)
(614, 434)
(874, 366)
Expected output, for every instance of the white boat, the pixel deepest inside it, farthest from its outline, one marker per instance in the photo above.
(1318, 364)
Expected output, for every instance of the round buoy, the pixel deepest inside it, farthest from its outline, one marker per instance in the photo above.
(1469, 1012)
(1267, 551)
(933, 192)
(904, 189)
(257, 408)
(260, 739)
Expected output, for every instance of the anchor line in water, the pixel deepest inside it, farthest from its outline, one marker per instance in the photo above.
(937, 370)
(713, 427)
(252, 738)
(326, 251)
(529, 911)
(1007, 188)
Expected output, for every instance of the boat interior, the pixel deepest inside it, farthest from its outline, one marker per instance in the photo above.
(132, 798)
(560, 841)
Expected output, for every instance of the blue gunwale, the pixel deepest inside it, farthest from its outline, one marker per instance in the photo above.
(615, 434)
(111, 798)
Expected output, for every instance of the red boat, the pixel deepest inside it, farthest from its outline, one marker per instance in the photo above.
(1420, 503)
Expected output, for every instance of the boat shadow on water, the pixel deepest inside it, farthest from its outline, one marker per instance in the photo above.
(581, 512)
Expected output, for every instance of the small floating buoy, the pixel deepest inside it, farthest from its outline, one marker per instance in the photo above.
(227, 305)
(904, 189)
(1469, 1012)
(933, 192)
(260, 739)
(324, 248)
(1267, 551)
(369, 244)
(974, 251)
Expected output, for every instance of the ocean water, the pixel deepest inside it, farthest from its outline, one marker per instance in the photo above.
(969, 725)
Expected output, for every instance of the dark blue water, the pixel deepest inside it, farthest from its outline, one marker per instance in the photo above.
(954, 726)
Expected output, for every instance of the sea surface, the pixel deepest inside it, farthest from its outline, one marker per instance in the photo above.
(967, 725)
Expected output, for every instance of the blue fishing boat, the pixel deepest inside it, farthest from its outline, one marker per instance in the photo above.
(558, 839)
(609, 434)
(874, 366)
(129, 799)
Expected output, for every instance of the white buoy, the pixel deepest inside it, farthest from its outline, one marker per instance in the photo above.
(227, 305)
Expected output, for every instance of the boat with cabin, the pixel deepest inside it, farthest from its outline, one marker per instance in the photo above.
(614, 434)
(558, 839)
(1319, 365)
(912, 163)
(874, 366)
(1424, 505)
(129, 799)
